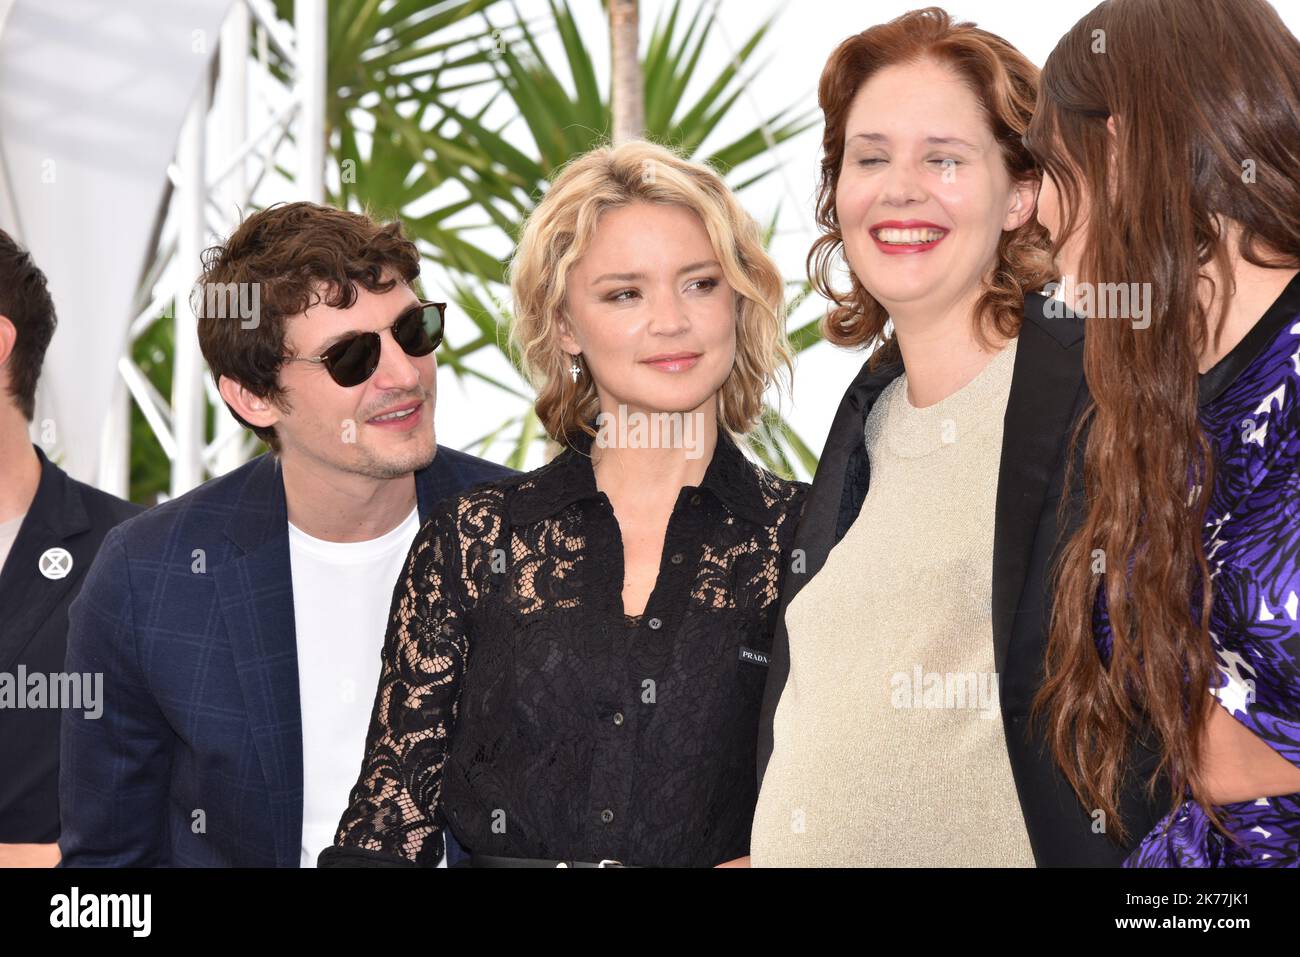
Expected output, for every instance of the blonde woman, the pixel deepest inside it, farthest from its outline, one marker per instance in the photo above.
(576, 657)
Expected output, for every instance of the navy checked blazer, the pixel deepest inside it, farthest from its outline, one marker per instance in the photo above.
(188, 612)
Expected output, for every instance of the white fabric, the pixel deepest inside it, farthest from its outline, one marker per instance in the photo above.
(341, 597)
(888, 745)
(92, 96)
(8, 533)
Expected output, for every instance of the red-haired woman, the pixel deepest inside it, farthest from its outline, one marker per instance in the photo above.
(896, 713)
(1192, 459)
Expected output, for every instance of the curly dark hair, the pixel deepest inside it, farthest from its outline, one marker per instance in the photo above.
(25, 301)
(294, 255)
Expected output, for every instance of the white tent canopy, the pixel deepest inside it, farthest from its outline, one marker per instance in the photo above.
(100, 105)
(92, 97)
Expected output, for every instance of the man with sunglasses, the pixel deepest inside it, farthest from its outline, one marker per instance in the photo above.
(239, 626)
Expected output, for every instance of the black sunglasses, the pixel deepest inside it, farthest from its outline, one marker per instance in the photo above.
(353, 360)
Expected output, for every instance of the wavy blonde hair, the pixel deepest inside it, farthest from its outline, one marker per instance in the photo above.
(560, 230)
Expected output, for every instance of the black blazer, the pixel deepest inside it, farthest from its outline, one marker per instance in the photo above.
(73, 516)
(1048, 393)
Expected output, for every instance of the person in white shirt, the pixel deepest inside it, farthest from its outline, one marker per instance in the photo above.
(239, 626)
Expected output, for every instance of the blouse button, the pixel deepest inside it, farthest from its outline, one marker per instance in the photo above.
(695, 499)
(606, 816)
(618, 718)
(654, 624)
(676, 559)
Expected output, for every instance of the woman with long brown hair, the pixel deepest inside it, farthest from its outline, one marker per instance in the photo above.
(895, 723)
(1177, 602)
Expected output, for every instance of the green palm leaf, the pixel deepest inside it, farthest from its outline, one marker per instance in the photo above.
(401, 82)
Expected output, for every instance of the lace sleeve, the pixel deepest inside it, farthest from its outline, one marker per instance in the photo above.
(393, 808)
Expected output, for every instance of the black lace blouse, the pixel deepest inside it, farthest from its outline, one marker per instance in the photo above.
(519, 705)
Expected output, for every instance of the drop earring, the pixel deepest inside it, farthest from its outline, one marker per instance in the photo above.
(574, 369)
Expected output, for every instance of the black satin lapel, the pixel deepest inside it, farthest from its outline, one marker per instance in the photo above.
(842, 457)
(28, 598)
(1036, 429)
(816, 534)
(55, 519)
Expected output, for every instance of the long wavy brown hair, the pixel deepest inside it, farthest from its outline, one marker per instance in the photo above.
(1005, 84)
(1205, 98)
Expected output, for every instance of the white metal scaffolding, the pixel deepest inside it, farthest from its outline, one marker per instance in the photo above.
(217, 172)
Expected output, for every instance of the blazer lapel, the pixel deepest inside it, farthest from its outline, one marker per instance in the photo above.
(438, 480)
(1040, 414)
(56, 514)
(255, 591)
(843, 470)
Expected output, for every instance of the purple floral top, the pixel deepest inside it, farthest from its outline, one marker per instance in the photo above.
(1250, 411)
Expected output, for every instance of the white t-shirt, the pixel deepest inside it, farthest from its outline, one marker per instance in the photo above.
(341, 596)
(8, 535)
